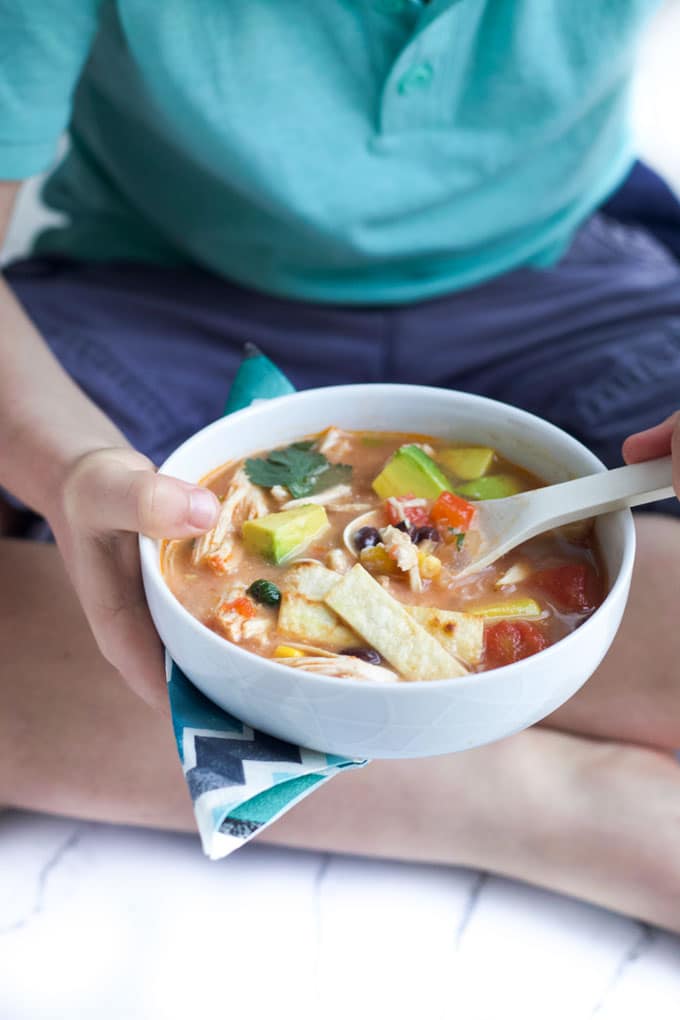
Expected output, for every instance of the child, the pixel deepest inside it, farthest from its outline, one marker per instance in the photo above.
(375, 190)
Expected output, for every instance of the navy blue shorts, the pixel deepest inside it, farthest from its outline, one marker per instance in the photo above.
(592, 344)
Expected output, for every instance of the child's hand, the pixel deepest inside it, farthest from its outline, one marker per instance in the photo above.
(106, 498)
(657, 442)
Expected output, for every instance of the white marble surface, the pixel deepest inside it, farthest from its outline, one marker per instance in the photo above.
(115, 924)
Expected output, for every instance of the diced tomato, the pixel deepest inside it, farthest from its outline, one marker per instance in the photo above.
(511, 640)
(398, 511)
(418, 516)
(571, 587)
(243, 606)
(452, 511)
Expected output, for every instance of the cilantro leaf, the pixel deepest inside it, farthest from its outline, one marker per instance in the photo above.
(459, 537)
(334, 474)
(299, 468)
(294, 467)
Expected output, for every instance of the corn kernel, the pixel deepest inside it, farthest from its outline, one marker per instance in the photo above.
(430, 566)
(287, 652)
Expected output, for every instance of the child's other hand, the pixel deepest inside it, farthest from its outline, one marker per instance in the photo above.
(658, 441)
(107, 497)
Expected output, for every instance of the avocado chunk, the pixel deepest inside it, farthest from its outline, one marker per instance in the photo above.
(490, 487)
(410, 472)
(467, 462)
(279, 536)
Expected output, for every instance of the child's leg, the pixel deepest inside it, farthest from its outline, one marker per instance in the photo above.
(74, 739)
(598, 820)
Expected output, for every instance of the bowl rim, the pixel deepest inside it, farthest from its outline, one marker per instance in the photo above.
(149, 548)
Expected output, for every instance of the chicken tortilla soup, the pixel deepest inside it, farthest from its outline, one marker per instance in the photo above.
(339, 554)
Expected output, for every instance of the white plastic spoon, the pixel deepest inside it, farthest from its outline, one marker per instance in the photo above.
(505, 523)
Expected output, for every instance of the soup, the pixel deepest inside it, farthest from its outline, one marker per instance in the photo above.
(339, 554)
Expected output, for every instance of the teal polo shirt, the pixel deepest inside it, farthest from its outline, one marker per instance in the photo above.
(363, 151)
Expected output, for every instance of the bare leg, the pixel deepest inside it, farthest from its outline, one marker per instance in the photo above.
(595, 819)
(74, 739)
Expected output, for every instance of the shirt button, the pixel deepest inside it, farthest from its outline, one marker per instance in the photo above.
(417, 77)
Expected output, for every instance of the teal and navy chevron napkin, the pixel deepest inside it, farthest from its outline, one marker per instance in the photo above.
(241, 780)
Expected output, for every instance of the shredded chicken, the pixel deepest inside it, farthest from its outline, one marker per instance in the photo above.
(415, 581)
(399, 505)
(335, 442)
(413, 501)
(349, 507)
(400, 547)
(243, 502)
(280, 493)
(336, 492)
(236, 627)
(405, 554)
(332, 499)
(517, 573)
(341, 666)
(338, 560)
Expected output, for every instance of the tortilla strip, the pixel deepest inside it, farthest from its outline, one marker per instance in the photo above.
(311, 579)
(386, 625)
(304, 616)
(461, 634)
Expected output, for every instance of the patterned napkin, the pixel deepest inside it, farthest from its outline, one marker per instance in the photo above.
(241, 780)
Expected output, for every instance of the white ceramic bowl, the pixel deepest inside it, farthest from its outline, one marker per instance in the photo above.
(401, 720)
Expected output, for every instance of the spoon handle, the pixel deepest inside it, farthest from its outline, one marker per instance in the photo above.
(507, 522)
(608, 490)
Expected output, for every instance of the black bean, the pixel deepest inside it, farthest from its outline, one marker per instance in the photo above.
(425, 533)
(367, 654)
(265, 592)
(366, 537)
